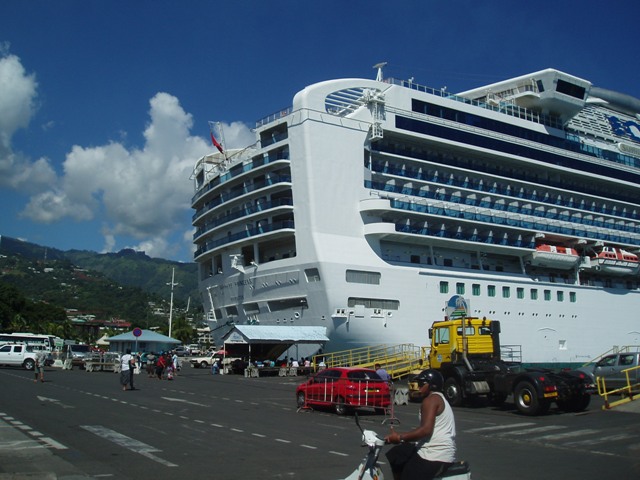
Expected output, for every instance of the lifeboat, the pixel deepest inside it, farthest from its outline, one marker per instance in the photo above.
(615, 261)
(554, 256)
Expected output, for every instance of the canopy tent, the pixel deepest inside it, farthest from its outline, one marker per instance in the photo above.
(147, 341)
(270, 341)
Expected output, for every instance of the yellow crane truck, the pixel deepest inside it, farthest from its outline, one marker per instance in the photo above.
(467, 352)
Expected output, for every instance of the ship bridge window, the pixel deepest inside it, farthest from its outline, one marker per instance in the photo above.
(379, 303)
(362, 276)
(570, 89)
(232, 311)
(251, 308)
(312, 274)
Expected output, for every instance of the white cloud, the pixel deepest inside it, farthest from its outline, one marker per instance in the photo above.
(140, 193)
(18, 93)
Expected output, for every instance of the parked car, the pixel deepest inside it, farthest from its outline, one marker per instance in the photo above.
(344, 389)
(182, 351)
(611, 366)
(17, 355)
(78, 354)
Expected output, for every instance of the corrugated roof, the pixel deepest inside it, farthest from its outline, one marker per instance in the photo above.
(276, 334)
(147, 336)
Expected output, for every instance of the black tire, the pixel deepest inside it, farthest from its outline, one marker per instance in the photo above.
(204, 364)
(452, 392)
(527, 401)
(300, 399)
(341, 408)
(29, 364)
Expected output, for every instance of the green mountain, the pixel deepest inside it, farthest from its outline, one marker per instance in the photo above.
(127, 268)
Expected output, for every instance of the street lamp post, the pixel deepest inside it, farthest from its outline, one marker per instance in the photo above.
(173, 284)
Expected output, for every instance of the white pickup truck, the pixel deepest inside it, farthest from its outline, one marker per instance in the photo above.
(17, 355)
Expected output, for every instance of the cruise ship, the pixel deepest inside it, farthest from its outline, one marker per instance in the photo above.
(368, 205)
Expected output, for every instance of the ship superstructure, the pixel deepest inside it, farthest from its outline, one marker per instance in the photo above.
(369, 203)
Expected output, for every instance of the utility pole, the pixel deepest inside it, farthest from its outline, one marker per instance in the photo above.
(173, 284)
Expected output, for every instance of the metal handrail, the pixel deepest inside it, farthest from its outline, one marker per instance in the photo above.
(627, 391)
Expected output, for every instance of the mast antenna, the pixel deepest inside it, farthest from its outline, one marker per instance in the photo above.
(380, 66)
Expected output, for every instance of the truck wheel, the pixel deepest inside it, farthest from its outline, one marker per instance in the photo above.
(29, 364)
(452, 392)
(527, 401)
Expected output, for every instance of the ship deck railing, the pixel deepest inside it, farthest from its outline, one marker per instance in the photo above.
(397, 360)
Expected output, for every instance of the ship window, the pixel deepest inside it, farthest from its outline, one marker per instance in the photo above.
(312, 274)
(444, 287)
(232, 311)
(362, 276)
(460, 288)
(381, 303)
(287, 304)
(534, 294)
(520, 293)
(560, 295)
(540, 86)
(572, 297)
(570, 89)
(506, 292)
(475, 289)
(491, 290)
(547, 295)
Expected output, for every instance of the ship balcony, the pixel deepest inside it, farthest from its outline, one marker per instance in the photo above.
(259, 163)
(245, 214)
(271, 231)
(453, 221)
(266, 185)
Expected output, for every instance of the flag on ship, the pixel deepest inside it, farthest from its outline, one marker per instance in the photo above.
(213, 139)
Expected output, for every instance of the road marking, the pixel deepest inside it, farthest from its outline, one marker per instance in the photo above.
(129, 443)
(182, 400)
(281, 440)
(52, 443)
(598, 440)
(259, 435)
(339, 453)
(529, 431)
(309, 446)
(562, 436)
(499, 427)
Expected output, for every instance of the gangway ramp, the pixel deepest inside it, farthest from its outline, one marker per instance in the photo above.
(397, 360)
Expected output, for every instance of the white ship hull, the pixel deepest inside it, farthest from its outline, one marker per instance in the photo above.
(369, 204)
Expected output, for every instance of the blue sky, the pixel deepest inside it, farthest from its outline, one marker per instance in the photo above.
(104, 105)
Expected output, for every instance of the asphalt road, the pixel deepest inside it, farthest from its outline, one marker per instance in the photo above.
(82, 425)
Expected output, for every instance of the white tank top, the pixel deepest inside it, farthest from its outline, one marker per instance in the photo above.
(441, 446)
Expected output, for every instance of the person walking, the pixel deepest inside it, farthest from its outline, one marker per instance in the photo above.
(38, 368)
(127, 364)
(434, 449)
(382, 373)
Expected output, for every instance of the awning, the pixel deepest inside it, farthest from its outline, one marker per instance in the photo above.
(271, 341)
(276, 334)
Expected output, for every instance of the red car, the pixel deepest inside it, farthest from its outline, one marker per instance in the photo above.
(345, 389)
